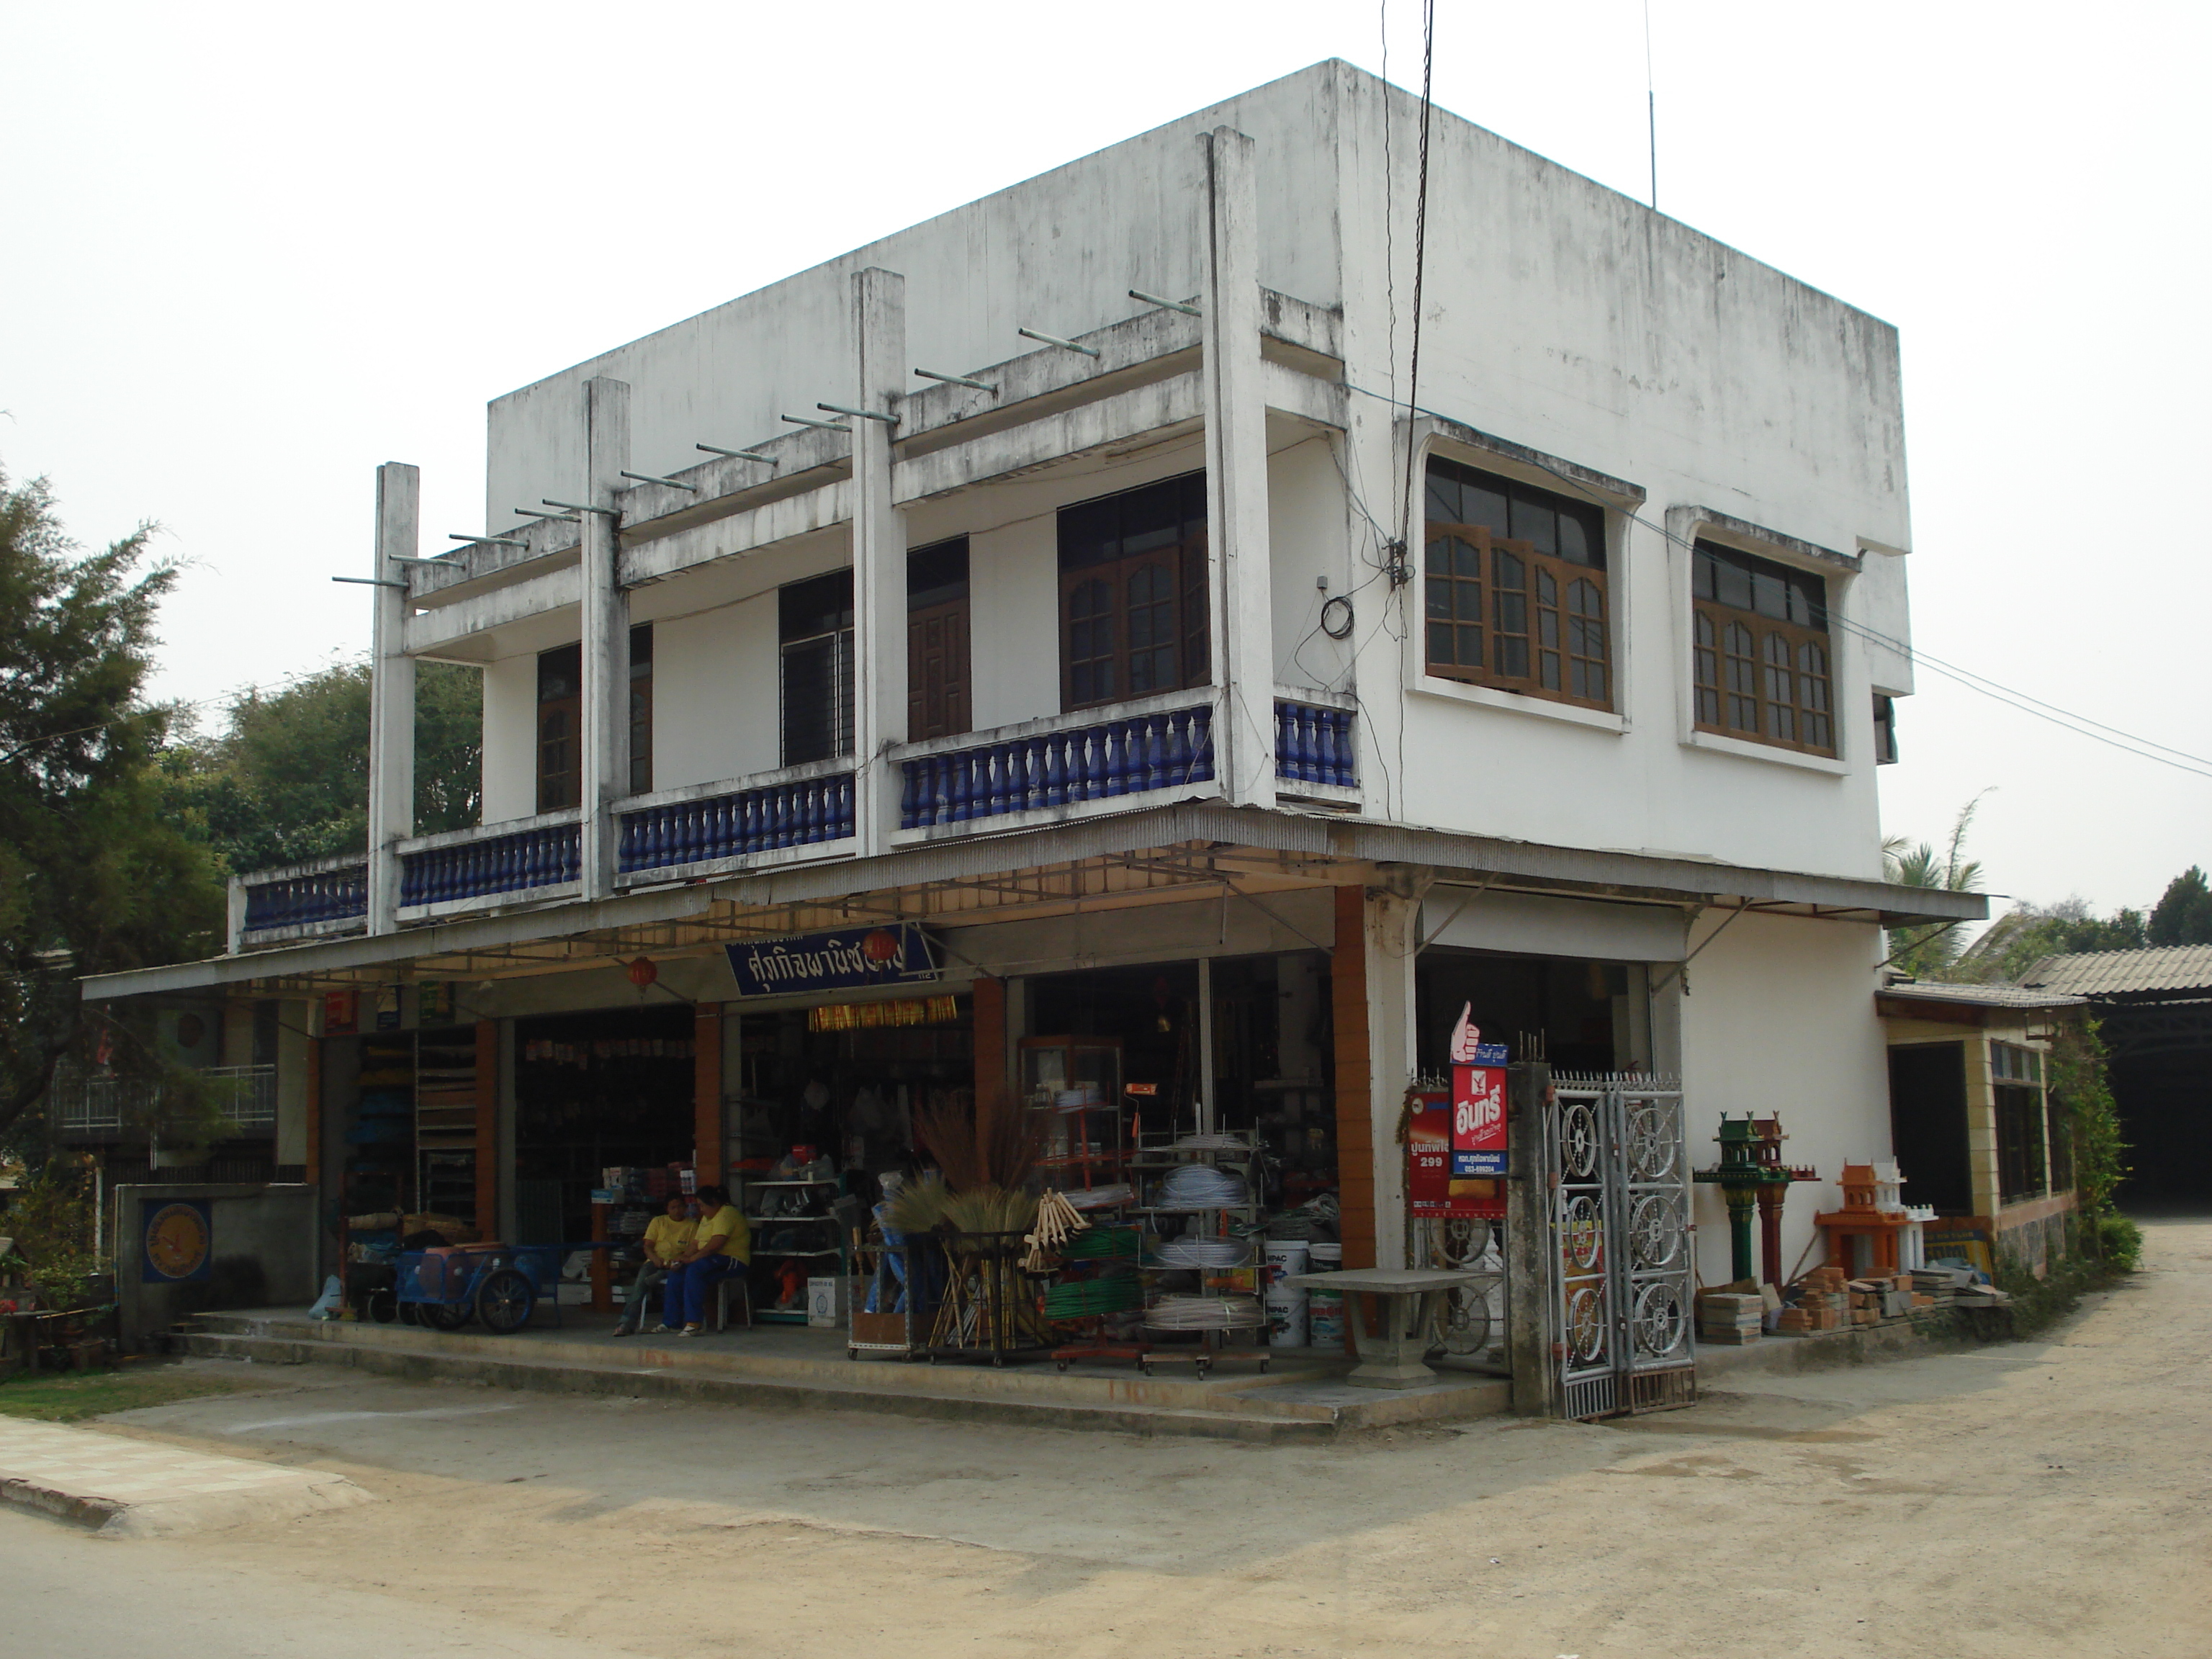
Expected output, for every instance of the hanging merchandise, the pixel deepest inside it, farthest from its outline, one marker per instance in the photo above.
(1205, 1313)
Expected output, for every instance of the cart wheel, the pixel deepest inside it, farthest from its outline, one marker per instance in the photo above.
(1203, 1368)
(1145, 1367)
(440, 1317)
(1059, 1365)
(506, 1301)
(382, 1306)
(411, 1313)
(852, 1353)
(1264, 1364)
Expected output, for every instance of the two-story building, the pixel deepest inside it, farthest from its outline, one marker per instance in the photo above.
(1069, 618)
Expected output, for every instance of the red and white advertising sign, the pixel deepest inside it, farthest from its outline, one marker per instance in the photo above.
(1430, 1188)
(1477, 1121)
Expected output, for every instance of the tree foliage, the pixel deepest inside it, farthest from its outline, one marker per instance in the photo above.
(2027, 933)
(94, 876)
(2182, 914)
(287, 778)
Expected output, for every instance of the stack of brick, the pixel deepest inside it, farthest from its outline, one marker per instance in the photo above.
(1730, 1318)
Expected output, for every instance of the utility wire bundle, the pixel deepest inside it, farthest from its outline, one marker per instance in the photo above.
(1200, 1186)
(1211, 1142)
(1102, 1198)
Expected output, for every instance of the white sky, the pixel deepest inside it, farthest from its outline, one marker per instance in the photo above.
(250, 252)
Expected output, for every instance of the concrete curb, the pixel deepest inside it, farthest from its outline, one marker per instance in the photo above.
(1231, 1412)
(123, 1488)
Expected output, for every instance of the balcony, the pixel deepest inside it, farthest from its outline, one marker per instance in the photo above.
(1316, 753)
(1039, 769)
(301, 901)
(532, 858)
(245, 1098)
(719, 826)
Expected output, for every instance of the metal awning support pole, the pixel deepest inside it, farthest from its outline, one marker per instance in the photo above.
(606, 692)
(391, 692)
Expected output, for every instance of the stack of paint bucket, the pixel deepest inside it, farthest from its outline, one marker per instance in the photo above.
(1325, 1309)
(1286, 1303)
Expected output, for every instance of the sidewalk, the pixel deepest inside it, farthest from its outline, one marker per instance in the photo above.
(134, 1489)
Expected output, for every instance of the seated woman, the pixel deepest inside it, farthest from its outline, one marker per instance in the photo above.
(723, 1245)
(667, 1243)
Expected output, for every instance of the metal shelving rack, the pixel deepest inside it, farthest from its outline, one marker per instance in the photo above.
(825, 1225)
(1153, 1159)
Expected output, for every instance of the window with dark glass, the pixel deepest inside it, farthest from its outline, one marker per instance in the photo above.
(2021, 1172)
(560, 727)
(937, 674)
(1515, 588)
(641, 710)
(815, 623)
(1133, 595)
(561, 721)
(1760, 656)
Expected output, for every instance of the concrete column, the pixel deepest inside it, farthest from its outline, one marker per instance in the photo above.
(1531, 1260)
(391, 692)
(1236, 475)
(606, 692)
(296, 1090)
(1355, 1137)
(1393, 919)
(878, 559)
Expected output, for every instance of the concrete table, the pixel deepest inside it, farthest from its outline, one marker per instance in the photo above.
(1409, 1297)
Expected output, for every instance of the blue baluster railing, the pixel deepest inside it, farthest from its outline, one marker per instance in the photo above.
(1313, 744)
(728, 826)
(545, 856)
(307, 900)
(1130, 756)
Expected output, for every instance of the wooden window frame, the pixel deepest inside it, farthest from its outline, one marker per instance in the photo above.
(1758, 677)
(559, 772)
(939, 669)
(1534, 640)
(1176, 613)
(794, 638)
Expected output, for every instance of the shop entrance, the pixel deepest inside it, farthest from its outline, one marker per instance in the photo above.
(1582, 1017)
(593, 1091)
(1229, 1045)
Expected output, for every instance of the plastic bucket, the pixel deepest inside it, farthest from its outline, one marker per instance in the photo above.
(1326, 1256)
(1286, 1317)
(1286, 1258)
(1325, 1318)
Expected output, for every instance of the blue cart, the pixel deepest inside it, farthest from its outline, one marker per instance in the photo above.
(498, 1285)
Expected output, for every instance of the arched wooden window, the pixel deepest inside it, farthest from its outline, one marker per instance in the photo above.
(1514, 585)
(1760, 658)
(1133, 583)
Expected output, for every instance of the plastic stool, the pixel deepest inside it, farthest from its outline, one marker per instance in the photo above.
(722, 1289)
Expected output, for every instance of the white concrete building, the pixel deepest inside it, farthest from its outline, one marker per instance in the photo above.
(1113, 610)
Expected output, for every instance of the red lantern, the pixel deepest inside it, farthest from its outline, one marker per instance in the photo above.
(644, 972)
(880, 946)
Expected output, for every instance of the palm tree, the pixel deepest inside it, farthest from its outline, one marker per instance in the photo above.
(1927, 951)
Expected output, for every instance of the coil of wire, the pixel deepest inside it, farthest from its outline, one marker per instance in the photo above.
(1205, 1313)
(1200, 1186)
(1081, 1298)
(1204, 1253)
(1211, 1142)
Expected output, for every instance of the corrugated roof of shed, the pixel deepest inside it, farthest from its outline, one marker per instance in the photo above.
(2118, 973)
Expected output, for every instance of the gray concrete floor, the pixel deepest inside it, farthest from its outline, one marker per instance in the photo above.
(2045, 1497)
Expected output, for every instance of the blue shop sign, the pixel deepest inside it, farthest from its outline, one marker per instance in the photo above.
(849, 960)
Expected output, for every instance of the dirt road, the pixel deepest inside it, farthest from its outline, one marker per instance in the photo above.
(2052, 1498)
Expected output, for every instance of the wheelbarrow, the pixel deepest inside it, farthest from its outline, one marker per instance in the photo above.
(499, 1286)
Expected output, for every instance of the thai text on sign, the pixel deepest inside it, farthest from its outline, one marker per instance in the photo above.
(1477, 1121)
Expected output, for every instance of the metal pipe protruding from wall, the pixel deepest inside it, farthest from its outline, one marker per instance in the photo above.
(1055, 340)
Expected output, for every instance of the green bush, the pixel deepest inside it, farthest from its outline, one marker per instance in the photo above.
(2116, 1241)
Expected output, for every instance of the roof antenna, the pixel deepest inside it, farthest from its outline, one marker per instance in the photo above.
(1650, 107)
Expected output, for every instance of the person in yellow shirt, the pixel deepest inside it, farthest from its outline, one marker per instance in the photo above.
(667, 1247)
(722, 1245)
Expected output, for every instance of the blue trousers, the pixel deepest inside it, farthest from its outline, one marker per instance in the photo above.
(691, 1286)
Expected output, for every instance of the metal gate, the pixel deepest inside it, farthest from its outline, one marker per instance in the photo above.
(1618, 1176)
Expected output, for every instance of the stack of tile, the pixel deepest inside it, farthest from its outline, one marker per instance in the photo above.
(1729, 1319)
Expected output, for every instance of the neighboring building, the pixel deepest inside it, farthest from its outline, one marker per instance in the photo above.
(1093, 654)
(2154, 1009)
(1971, 1120)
